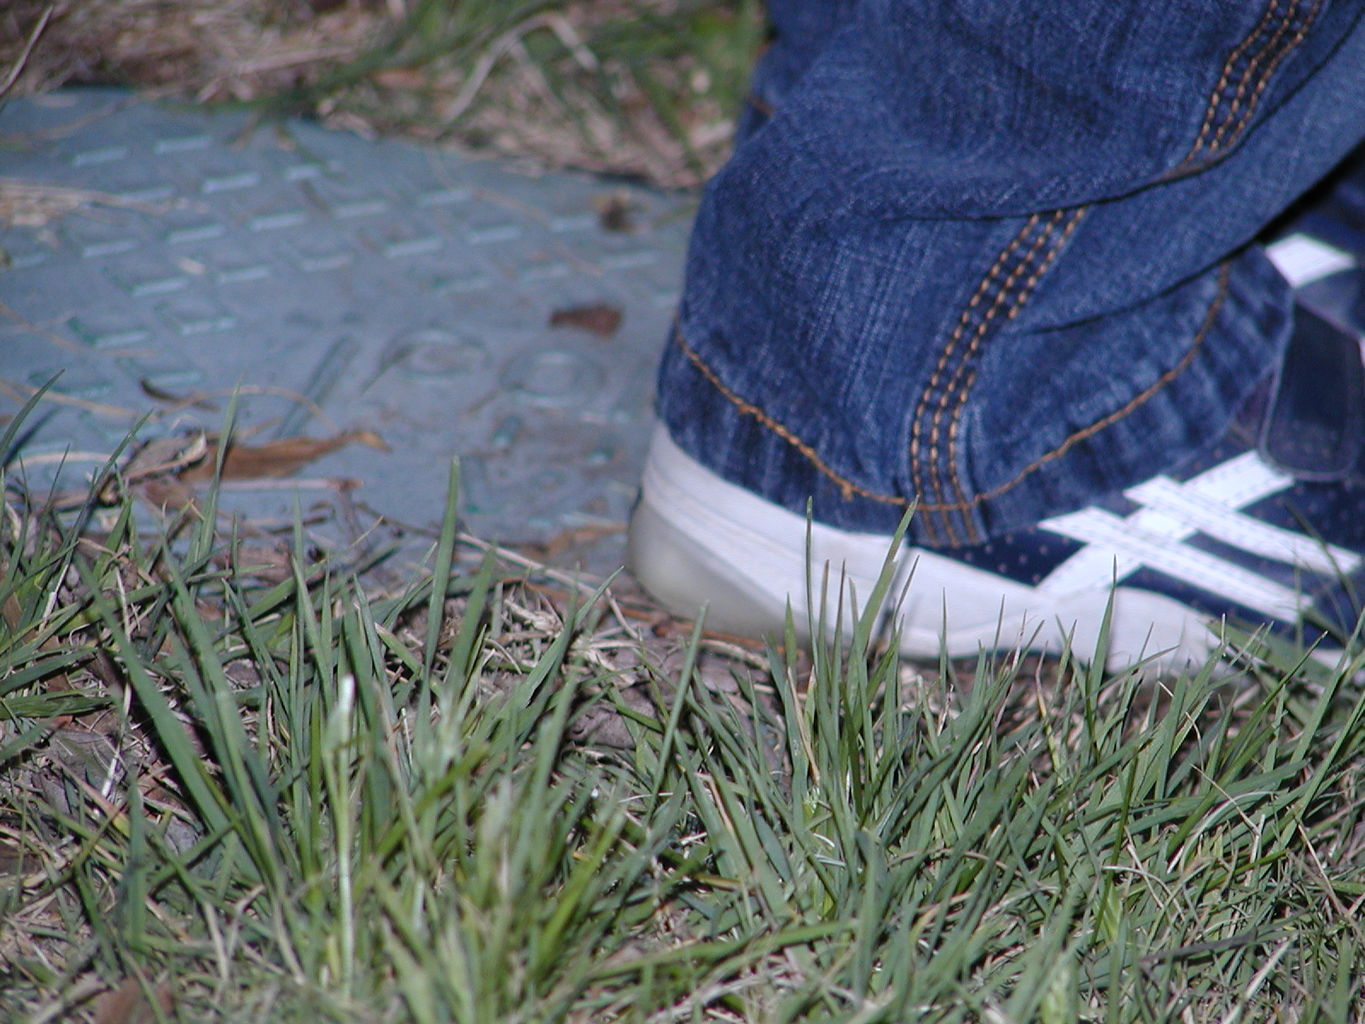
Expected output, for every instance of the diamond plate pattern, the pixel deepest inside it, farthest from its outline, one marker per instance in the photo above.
(343, 284)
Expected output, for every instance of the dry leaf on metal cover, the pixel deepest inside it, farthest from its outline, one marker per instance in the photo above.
(169, 494)
(165, 455)
(276, 458)
(617, 212)
(598, 317)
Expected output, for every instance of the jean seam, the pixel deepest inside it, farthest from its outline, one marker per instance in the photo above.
(1215, 98)
(1241, 122)
(1140, 399)
(970, 372)
(918, 475)
(1252, 82)
(928, 477)
(1005, 297)
(849, 489)
(1232, 117)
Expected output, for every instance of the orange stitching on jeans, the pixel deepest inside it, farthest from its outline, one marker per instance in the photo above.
(1216, 96)
(962, 321)
(1137, 400)
(850, 489)
(1002, 299)
(847, 487)
(1242, 107)
(1275, 62)
(1231, 118)
(1234, 104)
(917, 422)
(1025, 293)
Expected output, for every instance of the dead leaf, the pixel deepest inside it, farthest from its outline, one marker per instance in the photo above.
(616, 212)
(275, 458)
(165, 455)
(602, 725)
(597, 317)
(399, 78)
(169, 494)
(128, 1004)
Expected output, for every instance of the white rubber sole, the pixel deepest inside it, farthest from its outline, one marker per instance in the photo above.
(697, 541)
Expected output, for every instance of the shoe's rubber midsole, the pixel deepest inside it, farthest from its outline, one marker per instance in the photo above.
(697, 540)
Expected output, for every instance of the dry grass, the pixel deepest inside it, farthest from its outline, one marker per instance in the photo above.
(205, 49)
(643, 88)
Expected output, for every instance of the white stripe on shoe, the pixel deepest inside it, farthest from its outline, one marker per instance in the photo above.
(1171, 513)
(1222, 522)
(1116, 548)
(1303, 259)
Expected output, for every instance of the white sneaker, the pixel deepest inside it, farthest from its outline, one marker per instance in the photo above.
(1233, 538)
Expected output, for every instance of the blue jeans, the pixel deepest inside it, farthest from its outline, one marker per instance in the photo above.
(996, 257)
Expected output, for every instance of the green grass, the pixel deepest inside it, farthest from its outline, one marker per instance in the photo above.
(323, 803)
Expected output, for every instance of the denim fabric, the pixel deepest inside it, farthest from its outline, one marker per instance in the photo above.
(996, 258)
